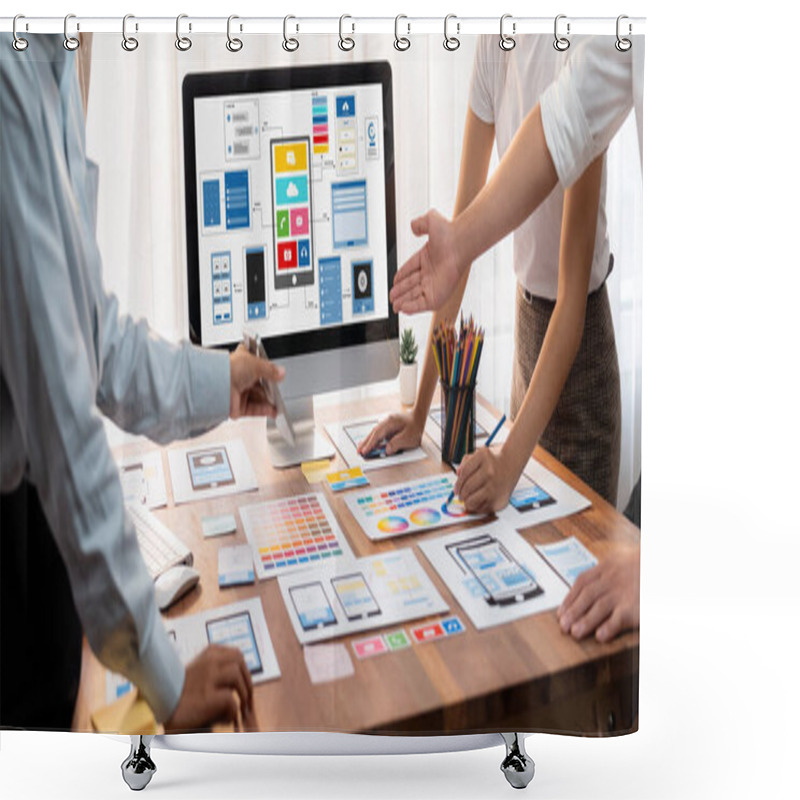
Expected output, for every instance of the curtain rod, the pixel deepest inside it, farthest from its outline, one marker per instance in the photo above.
(349, 25)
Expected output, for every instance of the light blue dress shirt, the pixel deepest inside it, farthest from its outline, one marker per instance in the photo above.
(68, 356)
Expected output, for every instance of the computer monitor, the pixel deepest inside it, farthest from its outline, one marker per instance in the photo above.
(290, 218)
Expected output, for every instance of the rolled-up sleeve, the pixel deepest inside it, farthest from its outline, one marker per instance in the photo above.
(50, 375)
(586, 105)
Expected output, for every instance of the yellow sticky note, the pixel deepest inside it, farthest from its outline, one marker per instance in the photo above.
(315, 471)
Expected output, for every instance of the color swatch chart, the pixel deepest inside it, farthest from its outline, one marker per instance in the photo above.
(293, 533)
(415, 507)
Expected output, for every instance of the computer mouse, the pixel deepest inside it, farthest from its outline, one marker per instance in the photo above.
(174, 584)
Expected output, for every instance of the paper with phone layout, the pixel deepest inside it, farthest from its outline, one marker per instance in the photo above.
(485, 423)
(339, 599)
(541, 496)
(293, 533)
(143, 479)
(347, 435)
(239, 625)
(569, 558)
(415, 507)
(494, 574)
(235, 565)
(201, 472)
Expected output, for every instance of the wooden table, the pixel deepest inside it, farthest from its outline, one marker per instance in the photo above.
(521, 676)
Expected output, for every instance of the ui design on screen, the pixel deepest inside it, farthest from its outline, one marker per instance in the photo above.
(291, 211)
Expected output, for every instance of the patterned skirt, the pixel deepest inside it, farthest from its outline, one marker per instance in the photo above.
(585, 428)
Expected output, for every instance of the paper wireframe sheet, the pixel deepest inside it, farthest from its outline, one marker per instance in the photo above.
(240, 624)
(373, 592)
(346, 435)
(143, 479)
(200, 472)
(541, 496)
(494, 574)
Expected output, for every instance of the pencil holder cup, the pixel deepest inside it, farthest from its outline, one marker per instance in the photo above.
(458, 422)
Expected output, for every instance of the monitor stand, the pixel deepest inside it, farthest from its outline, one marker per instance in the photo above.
(309, 445)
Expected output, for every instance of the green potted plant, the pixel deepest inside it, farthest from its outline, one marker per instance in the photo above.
(408, 367)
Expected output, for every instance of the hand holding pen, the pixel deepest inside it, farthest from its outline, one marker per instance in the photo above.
(480, 476)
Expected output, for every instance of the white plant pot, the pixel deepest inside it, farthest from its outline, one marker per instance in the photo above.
(408, 383)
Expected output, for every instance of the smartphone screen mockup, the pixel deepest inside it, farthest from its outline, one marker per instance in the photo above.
(312, 606)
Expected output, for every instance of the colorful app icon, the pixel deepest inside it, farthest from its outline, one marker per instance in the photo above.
(299, 221)
(287, 255)
(282, 222)
(303, 253)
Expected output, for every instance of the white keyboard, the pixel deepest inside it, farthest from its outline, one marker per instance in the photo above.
(160, 547)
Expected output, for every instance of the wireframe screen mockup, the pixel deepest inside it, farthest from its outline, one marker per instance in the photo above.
(290, 190)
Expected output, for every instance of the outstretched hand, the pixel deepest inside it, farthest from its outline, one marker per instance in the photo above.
(429, 277)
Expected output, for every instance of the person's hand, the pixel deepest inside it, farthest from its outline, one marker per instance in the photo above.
(401, 432)
(605, 599)
(484, 481)
(428, 278)
(248, 398)
(208, 690)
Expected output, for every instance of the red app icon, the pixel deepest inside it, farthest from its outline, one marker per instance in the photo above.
(287, 255)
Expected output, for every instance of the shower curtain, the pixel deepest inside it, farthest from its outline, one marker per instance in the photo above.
(163, 198)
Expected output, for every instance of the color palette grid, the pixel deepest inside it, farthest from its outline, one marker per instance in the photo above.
(406, 508)
(292, 533)
(319, 120)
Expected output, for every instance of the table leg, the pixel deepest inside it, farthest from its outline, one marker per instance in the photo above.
(517, 766)
(138, 768)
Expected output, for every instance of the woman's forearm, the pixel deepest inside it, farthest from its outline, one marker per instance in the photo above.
(524, 178)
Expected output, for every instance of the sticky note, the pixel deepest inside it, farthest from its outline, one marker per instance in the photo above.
(373, 646)
(218, 526)
(347, 479)
(327, 662)
(235, 565)
(452, 625)
(427, 633)
(397, 640)
(315, 471)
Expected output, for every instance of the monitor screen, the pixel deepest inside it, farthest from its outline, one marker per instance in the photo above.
(290, 206)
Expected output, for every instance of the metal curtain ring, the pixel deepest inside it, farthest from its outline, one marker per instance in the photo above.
(346, 42)
(401, 43)
(290, 44)
(129, 43)
(451, 42)
(623, 44)
(233, 44)
(507, 42)
(70, 42)
(183, 43)
(18, 43)
(561, 43)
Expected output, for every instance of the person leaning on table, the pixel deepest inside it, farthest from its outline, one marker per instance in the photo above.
(70, 557)
(574, 122)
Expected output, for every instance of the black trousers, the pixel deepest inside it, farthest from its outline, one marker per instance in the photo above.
(40, 633)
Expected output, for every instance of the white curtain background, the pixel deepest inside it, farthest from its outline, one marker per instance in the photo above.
(135, 134)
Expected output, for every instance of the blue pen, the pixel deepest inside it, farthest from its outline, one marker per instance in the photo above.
(488, 442)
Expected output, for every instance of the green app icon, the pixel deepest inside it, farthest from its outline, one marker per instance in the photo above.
(282, 223)
(397, 640)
